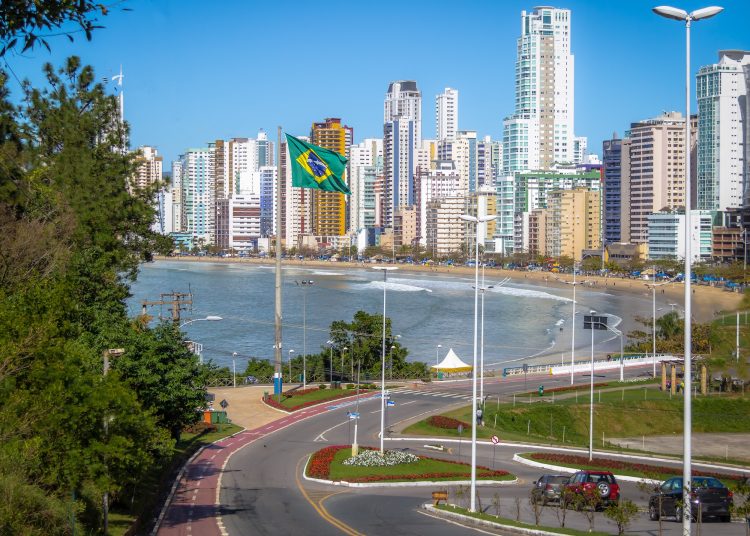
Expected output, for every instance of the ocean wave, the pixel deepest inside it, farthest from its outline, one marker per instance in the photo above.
(527, 293)
(560, 322)
(398, 287)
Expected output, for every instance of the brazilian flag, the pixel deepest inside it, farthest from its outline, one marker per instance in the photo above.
(316, 167)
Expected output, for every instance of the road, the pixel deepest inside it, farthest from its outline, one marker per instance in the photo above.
(262, 491)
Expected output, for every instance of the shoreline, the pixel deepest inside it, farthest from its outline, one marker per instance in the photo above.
(707, 301)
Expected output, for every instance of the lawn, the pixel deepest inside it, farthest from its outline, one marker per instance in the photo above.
(425, 469)
(514, 523)
(618, 413)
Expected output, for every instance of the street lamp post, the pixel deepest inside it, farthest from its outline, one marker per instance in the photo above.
(653, 319)
(390, 367)
(437, 348)
(573, 329)
(290, 365)
(330, 359)
(343, 351)
(305, 283)
(591, 399)
(476, 220)
(111, 352)
(683, 16)
(385, 270)
(234, 369)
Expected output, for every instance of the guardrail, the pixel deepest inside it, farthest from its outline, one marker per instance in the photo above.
(631, 360)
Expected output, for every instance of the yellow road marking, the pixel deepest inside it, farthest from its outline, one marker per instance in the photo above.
(318, 506)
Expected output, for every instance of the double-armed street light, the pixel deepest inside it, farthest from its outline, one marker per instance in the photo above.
(305, 283)
(209, 318)
(385, 270)
(476, 220)
(681, 15)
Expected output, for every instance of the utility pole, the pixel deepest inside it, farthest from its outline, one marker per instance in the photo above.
(178, 301)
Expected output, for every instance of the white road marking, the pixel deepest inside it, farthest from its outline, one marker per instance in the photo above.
(321, 436)
(454, 523)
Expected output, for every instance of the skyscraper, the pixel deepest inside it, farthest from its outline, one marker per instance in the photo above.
(723, 90)
(612, 164)
(329, 208)
(446, 114)
(540, 132)
(402, 137)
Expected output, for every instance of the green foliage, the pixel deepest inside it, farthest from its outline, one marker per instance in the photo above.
(669, 335)
(622, 512)
(260, 368)
(74, 233)
(22, 21)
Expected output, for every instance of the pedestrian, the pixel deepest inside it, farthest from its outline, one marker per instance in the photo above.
(479, 416)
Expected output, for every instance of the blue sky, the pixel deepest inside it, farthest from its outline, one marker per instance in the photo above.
(198, 71)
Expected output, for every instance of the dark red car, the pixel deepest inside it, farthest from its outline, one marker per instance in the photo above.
(602, 483)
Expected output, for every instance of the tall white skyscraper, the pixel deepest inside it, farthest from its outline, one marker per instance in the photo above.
(723, 90)
(198, 194)
(402, 137)
(365, 164)
(446, 114)
(540, 132)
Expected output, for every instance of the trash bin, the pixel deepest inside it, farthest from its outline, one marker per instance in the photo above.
(219, 417)
(541, 390)
(336, 385)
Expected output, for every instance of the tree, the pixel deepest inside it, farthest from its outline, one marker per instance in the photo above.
(623, 513)
(21, 21)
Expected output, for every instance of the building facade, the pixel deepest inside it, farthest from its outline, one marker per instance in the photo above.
(446, 114)
(329, 208)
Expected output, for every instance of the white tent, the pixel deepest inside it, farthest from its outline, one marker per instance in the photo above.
(452, 363)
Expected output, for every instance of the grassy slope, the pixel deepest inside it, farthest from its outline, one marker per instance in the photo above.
(619, 414)
(339, 471)
(318, 395)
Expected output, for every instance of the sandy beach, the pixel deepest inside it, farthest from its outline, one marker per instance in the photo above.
(707, 301)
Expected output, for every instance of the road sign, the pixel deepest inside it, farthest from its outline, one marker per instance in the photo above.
(353, 415)
(594, 322)
(495, 440)
(460, 428)
(390, 403)
(224, 404)
(525, 368)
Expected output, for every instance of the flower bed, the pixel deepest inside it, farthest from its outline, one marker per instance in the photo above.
(372, 458)
(620, 465)
(447, 423)
(319, 466)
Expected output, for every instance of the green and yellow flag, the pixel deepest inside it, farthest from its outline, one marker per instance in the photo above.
(316, 167)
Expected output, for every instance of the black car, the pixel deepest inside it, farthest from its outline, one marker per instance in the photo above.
(708, 497)
(548, 488)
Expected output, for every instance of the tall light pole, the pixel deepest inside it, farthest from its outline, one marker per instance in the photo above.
(683, 16)
(305, 283)
(234, 369)
(111, 352)
(330, 359)
(653, 319)
(476, 220)
(437, 348)
(591, 399)
(390, 368)
(573, 329)
(343, 351)
(385, 270)
(290, 365)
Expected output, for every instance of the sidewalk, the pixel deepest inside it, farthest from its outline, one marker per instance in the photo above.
(245, 406)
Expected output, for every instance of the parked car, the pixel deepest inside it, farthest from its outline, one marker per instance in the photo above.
(708, 497)
(602, 481)
(251, 379)
(548, 488)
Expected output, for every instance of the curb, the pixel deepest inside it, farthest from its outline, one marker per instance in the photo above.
(168, 500)
(507, 529)
(440, 439)
(417, 484)
(298, 410)
(520, 459)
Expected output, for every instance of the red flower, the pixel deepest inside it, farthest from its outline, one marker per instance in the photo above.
(447, 423)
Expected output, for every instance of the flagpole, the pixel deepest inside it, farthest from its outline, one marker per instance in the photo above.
(277, 324)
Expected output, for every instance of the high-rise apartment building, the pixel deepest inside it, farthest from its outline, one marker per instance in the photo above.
(198, 195)
(655, 172)
(666, 235)
(616, 201)
(445, 231)
(540, 132)
(149, 170)
(365, 164)
(432, 184)
(329, 208)
(402, 137)
(573, 222)
(446, 114)
(723, 92)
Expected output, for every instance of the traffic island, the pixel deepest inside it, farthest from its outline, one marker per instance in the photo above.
(463, 516)
(335, 465)
(300, 399)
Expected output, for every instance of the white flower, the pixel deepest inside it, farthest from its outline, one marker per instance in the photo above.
(372, 458)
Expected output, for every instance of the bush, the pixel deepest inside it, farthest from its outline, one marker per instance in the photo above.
(200, 427)
(446, 423)
(322, 386)
(350, 386)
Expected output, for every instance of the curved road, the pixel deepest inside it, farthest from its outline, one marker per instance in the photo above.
(262, 490)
